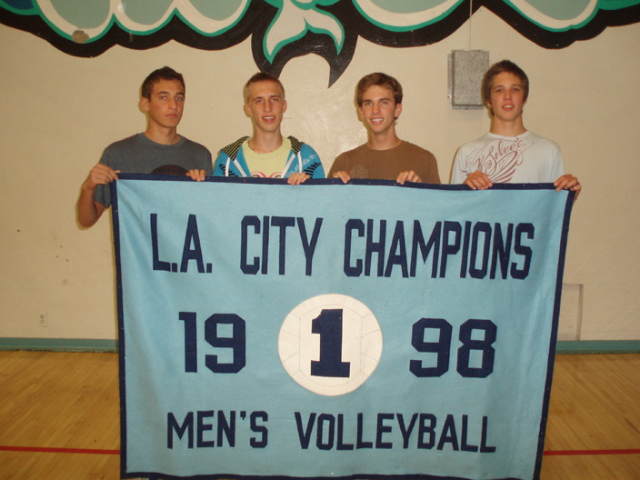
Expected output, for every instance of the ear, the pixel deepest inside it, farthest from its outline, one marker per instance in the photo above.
(284, 106)
(144, 104)
(398, 110)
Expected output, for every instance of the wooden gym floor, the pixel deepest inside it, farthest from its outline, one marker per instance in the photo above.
(59, 417)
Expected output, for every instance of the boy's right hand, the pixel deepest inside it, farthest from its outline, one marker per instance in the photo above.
(342, 175)
(478, 181)
(100, 174)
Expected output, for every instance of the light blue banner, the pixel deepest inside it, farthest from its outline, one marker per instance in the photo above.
(336, 331)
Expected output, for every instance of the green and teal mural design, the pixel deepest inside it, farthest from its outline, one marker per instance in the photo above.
(283, 29)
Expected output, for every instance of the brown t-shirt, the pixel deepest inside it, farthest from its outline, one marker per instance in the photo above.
(364, 162)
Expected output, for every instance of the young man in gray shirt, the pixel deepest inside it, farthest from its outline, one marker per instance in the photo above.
(159, 146)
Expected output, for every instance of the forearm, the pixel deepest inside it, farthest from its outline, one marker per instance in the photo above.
(88, 210)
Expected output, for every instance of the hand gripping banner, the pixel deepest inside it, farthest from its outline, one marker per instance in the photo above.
(366, 330)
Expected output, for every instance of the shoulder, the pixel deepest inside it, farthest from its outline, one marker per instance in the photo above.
(305, 149)
(540, 141)
(415, 149)
(194, 145)
(232, 149)
(354, 151)
(487, 137)
(196, 150)
(133, 141)
(473, 145)
(346, 160)
(297, 145)
(340, 162)
(123, 151)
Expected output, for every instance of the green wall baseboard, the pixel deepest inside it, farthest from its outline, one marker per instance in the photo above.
(599, 346)
(59, 344)
(97, 345)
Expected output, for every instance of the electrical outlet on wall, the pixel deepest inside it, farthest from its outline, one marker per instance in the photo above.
(570, 321)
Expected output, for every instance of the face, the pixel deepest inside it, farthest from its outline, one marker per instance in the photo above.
(507, 97)
(266, 106)
(379, 110)
(166, 104)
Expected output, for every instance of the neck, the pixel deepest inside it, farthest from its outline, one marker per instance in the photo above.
(265, 142)
(507, 129)
(163, 136)
(383, 141)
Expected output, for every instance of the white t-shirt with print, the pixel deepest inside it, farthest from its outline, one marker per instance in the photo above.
(527, 158)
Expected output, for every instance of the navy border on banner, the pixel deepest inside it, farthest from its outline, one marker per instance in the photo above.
(554, 332)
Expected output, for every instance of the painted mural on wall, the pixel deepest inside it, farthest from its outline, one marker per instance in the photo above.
(283, 29)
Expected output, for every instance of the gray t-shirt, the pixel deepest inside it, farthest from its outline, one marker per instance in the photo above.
(139, 154)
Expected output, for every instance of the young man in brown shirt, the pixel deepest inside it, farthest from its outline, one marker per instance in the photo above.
(384, 156)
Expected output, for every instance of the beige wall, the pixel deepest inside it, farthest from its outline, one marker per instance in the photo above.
(59, 112)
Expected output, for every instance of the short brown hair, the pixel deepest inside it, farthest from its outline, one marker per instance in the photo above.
(381, 80)
(501, 67)
(260, 77)
(164, 73)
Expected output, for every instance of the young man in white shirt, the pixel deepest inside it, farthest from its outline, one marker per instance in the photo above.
(509, 153)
